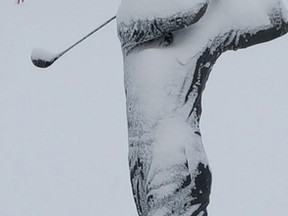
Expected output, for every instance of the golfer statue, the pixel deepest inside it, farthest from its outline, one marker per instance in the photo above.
(169, 48)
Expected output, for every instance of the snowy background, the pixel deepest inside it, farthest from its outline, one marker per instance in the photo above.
(63, 137)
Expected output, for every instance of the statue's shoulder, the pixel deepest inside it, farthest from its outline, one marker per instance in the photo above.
(140, 21)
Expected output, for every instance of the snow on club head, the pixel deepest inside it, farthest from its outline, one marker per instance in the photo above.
(42, 59)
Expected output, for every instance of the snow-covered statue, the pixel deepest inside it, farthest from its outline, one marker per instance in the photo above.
(169, 49)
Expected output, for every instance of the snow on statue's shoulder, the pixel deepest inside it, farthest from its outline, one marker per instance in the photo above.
(142, 21)
(245, 13)
(143, 9)
(145, 20)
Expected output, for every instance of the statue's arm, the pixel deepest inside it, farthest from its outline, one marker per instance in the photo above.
(137, 32)
(243, 38)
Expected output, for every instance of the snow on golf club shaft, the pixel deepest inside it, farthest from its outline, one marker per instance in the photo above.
(43, 59)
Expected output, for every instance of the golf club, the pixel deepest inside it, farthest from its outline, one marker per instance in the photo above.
(43, 59)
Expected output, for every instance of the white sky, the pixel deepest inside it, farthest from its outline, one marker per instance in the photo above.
(63, 138)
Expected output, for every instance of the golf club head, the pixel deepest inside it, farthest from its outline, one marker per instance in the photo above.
(42, 59)
(42, 63)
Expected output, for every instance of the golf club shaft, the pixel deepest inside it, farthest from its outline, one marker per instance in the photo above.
(88, 35)
(44, 63)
